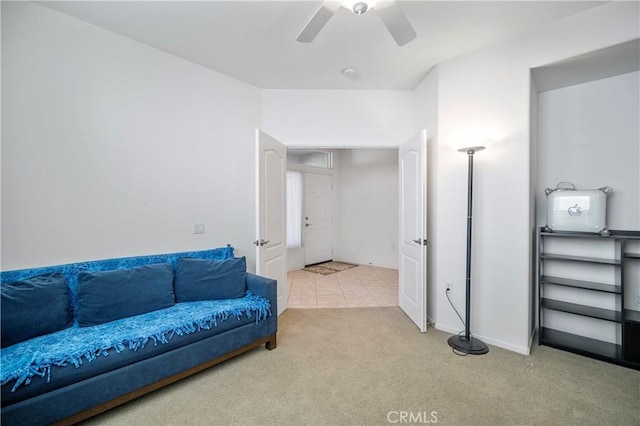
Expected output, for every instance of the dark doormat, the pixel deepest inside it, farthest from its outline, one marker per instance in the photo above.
(329, 267)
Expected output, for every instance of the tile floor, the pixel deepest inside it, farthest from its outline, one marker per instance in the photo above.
(362, 286)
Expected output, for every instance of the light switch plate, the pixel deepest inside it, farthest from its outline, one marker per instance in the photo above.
(198, 227)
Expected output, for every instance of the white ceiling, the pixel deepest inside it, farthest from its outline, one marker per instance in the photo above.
(254, 41)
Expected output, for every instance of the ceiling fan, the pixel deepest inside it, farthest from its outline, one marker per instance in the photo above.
(388, 10)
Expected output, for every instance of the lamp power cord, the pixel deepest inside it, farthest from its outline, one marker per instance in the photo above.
(454, 350)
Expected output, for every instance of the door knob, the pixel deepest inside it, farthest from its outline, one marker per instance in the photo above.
(307, 224)
(418, 241)
(261, 242)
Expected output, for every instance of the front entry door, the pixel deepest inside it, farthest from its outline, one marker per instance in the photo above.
(413, 229)
(271, 241)
(318, 214)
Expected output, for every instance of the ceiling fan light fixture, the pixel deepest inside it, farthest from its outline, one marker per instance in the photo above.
(359, 7)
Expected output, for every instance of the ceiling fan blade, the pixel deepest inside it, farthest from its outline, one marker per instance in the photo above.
(318, 21)
(396, 22)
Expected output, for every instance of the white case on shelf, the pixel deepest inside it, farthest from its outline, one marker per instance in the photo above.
(569, 209)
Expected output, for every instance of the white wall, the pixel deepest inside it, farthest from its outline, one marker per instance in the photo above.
(487, 94)
(589, 135)
(338, 118)
(112, 148)
(366, 207)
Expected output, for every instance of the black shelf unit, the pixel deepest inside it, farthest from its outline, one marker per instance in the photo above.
(588, 285)
(625, 352)
(584, 310)
(581, 259)
(581, 345)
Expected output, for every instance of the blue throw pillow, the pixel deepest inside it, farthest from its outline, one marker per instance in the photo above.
(203, 279)
(110, 295)
(34, 307)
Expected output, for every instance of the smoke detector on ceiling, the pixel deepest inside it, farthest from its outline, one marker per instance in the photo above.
(350, 72)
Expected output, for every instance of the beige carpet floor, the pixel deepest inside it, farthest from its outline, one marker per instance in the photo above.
(365, 366)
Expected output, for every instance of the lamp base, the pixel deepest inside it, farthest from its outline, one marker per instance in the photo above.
(472, 347)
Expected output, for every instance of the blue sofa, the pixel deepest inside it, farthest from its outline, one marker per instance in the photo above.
(82, 338)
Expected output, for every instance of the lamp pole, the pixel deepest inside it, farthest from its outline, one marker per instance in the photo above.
(467, 343)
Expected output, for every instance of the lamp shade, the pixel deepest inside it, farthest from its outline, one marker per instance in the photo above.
(471, 149)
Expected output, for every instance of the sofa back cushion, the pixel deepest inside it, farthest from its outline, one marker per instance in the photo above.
(34, 307)
(71, 270)
(110, 295)
(200, 279)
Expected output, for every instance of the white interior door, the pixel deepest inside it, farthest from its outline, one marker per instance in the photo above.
(413, 227)
(271, 240)
(318, 218)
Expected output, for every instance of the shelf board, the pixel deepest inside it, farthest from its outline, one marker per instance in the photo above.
(588, 285)
(571, 234)
(581, 345)
(552, 256)
(632, 316)
(632, 235)
(632, 255)
(586, 311)
(617, 234)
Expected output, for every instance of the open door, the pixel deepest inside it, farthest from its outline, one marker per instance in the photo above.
(413, 226)
(271, 240)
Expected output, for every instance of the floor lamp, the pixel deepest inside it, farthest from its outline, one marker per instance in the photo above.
(466, 343)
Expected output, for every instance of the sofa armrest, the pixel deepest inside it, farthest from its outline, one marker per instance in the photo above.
(268, 288)
(265, 287)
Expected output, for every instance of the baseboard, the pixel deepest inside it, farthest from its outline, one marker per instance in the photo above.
(495, 342)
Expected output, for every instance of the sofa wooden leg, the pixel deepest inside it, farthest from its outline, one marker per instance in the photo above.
(271, 343)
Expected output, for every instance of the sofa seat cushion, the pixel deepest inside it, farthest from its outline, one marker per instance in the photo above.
(34, 307)
(105, 296)
(49, 360)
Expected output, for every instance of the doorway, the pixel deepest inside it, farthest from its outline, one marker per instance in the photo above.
(363, 206)
(364, 212)
(310, 205)
(412, 286)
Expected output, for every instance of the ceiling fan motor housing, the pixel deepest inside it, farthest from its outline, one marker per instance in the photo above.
(360, 7)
